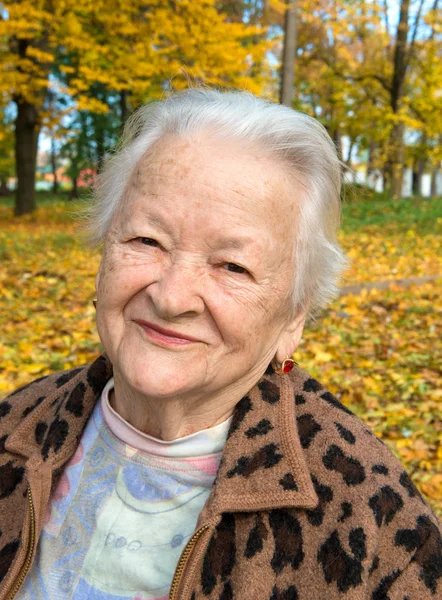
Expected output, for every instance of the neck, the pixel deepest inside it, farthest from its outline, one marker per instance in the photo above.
(171, 418)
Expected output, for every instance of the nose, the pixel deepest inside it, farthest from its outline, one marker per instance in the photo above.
(178, 291)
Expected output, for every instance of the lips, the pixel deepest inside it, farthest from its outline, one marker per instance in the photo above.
(165, 335)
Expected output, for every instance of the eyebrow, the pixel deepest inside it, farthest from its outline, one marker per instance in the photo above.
(234, 242)
(156, 221)
(237, 243)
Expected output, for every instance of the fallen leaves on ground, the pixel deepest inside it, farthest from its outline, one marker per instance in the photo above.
(379, 351)
(376, 256)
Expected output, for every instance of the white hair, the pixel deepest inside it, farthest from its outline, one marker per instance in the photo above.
(300, 143)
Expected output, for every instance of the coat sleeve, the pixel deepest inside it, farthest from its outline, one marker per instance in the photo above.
(422, 577)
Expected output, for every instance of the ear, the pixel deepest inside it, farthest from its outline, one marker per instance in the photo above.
(97, 279)
(291, 336)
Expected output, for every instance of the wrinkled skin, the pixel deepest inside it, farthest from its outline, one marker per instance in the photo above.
(194, 211)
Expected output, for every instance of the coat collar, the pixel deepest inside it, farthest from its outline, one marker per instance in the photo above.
(263, 464)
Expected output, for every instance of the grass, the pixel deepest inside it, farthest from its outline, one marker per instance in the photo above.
(64, 209)
(46, 198)
(364, 208)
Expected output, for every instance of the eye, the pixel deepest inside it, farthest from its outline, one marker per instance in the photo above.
(147, 241)
(233, 268)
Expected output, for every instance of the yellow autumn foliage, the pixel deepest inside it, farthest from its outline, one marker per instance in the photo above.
(122, 45)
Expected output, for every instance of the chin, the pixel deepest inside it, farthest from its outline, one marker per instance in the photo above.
(159, 376)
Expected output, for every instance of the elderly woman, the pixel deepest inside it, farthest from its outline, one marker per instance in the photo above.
(191, 461)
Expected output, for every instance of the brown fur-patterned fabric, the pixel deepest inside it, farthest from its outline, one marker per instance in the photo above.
(307, 505)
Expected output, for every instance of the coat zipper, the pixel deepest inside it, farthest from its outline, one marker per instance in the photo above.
(183, 561)
(28, 560)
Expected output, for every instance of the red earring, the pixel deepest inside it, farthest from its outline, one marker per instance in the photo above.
(286, 366)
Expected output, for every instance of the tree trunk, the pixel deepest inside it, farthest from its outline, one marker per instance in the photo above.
(74, 191)
(27, 129)
(4, 191)
(289, 53)
(419, 164)
(124, 113)
(385, 179)
(351, 145)
(434, 175)
(397, 161)
(371, 159)
(418, 173)
(415, 183)
(54, 167)
(99, 141)
(400, 56)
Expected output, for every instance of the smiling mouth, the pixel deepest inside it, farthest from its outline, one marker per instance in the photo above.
(165, 336)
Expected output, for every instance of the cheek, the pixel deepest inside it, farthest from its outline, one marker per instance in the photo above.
(246, 320)
(255, 320)
(120, 279)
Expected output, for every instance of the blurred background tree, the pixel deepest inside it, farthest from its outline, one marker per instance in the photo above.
(72, 72)
(7, 162)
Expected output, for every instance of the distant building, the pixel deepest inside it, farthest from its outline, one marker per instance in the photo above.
(45, 177)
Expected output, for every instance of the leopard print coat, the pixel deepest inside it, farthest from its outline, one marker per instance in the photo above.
(307, 505)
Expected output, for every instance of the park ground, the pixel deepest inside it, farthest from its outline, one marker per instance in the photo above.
(379, 350)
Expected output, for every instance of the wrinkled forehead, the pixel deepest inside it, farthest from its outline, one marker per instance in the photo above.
(223, 168)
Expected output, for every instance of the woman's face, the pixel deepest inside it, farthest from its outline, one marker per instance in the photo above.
(194, 284)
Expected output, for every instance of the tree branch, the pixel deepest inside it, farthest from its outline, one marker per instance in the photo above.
(413, 35)
(387, 20)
